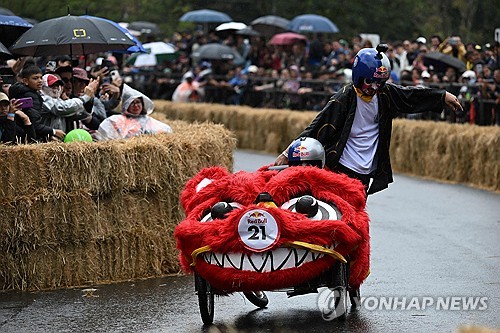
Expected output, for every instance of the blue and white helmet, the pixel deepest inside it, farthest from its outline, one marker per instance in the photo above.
(371, 64)
(306, 151)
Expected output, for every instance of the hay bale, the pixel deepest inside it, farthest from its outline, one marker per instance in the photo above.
(457, 153)
(268, 130)
(102, 211)
(441, 151)
(102, 167)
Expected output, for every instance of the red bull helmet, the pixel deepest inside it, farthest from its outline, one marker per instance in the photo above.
(306, 151)
(371, 65)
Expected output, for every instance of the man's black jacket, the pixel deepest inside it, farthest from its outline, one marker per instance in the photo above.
(333, 124)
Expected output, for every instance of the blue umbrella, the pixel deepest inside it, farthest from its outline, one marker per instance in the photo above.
(205, 16)
(137, 48)
(11, 27)
(312, 23)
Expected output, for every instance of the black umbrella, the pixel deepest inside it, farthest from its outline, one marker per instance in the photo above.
(216, 51)
(441, 62)
(73, 35)
(11, 27)
(270, 25)
(248, 31)
(4, 53)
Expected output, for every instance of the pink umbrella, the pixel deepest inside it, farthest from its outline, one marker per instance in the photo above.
(287, 38)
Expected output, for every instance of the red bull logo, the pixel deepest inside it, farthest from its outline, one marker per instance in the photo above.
(300, 151)
(381, 73)
(256, 218)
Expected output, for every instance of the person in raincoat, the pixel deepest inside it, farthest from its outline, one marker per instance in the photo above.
(134, 119)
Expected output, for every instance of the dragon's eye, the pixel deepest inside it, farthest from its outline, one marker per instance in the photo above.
(307, 205)
(313, 208)
(219, 211)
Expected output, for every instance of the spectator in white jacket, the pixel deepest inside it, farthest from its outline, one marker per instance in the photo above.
(58, 113)
(134, 119)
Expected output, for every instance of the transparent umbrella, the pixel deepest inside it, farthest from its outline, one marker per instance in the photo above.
(156, 53)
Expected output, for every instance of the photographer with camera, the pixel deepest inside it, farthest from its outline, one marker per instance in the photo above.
(453, 46)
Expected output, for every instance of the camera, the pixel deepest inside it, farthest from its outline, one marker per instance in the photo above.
(453, 41)
(8, 79)
(106, 79)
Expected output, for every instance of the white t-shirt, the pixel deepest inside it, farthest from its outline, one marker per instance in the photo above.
(361, 146)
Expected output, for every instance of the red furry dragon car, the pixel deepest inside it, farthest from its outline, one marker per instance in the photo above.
(293, 230)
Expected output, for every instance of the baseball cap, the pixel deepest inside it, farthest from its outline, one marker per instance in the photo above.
(63, 69)
(80, 74)
(421, 40)
(50, 80)
(3, 97)
(252, 69)
(468, 75)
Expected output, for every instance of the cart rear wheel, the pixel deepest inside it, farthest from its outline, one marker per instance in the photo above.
(257, 298)
(339, 287)
(205, 299)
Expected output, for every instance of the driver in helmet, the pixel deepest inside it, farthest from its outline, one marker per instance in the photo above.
(355, 125)
(306, 152)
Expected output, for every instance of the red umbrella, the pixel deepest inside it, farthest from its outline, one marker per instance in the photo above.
(287, 38)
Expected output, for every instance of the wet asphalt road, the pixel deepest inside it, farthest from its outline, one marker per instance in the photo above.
(429, 240)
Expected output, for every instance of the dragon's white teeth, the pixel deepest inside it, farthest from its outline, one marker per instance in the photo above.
(269, 261)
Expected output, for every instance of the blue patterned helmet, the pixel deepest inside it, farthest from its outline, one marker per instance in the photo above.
(306, 151)
(371, 64)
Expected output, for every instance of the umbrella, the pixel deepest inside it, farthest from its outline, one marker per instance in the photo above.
(225, 29)
(134, 48)
(5, 11)
(216, 51)
(231, 26)
(312, 23)
(287, 38)
(270, 25)
(157, 52)
(248, 31)
(144, 27)
(441, 62)
(4, 53)
(71, 35)
(11, 27)
(205, 16)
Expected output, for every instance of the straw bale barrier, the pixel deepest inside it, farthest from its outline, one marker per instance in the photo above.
(436, 150)
(86, 213)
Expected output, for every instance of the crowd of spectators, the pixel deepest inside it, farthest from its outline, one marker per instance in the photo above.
(101, 93)
(41, 104)
(302, 75)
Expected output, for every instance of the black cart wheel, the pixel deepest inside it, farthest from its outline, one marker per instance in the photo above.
(339, 287)
(205, 299)
(355, 297)
(257, 298)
